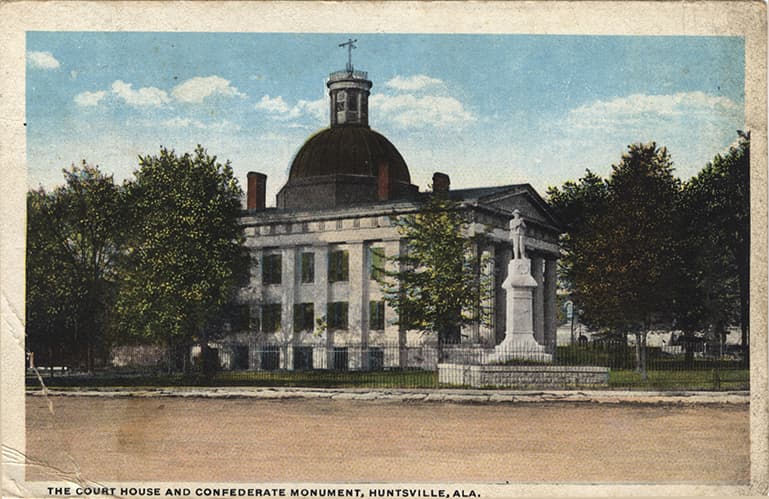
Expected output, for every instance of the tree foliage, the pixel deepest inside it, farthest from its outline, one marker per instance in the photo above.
(641, 246)
(436, 286)
(713, 282)
(74, 235)
(621, 243)
(185, 248)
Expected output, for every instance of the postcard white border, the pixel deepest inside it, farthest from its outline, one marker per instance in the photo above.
(735, 18)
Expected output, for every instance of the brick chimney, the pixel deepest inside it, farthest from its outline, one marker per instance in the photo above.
(441, 182)
(256, 191)
(384, 187)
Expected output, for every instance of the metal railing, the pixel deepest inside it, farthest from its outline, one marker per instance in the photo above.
(392, 365)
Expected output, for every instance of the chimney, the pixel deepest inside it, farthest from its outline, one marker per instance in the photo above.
(383, 181)
(441, 183)
(256, 191)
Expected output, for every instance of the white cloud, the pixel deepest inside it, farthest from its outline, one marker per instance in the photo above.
(318, 109)
(410, 111)
(280, 109)
(182, 123)
(643, 111)
(272, 105)
(87, 99)
(179, 122)
(411, 83)
(42, 60)
(144, 97)
(198, 88)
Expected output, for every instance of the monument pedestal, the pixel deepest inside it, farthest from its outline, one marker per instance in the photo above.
(519, 342)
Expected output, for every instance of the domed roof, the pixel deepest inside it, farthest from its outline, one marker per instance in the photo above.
(347, 150)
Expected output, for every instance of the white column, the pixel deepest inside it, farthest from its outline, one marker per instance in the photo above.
(488, 305)
(255, 297)
(394, 336)
(287, 285)
(505, 254)
(321, 355)
(470, 332)
(539, 303)
(550, 297)
(356, 297)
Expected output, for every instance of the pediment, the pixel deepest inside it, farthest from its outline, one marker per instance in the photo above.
(525, 199)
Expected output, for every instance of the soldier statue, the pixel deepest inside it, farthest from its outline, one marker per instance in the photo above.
(517, 233)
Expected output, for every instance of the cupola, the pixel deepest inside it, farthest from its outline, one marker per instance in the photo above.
(347, 163)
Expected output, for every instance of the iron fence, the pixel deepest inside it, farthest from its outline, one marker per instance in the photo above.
(393, 365)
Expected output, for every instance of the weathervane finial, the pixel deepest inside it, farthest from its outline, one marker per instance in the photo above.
(350, 44)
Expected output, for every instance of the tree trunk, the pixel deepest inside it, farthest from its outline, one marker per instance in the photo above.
(689, 349)
(89, 357)
(637, 352)
(206, 364)
(644, 374)
(170, 355)
(186, 357)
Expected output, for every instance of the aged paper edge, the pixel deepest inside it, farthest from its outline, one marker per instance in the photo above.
(734, 18)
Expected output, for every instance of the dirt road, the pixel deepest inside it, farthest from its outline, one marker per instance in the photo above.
(175, 439)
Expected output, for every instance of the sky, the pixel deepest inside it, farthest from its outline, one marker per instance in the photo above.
(485, 109)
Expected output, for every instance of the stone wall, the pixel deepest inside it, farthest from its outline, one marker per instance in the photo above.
(137, 356)
(540, 377)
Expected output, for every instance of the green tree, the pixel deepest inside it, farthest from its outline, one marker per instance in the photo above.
(436, 286)
(621, 247)
(713, 282)
(185, 250)
(51, 293)
(74, 236)
(579, 205)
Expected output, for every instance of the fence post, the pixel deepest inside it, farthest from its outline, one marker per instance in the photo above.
(716, 379)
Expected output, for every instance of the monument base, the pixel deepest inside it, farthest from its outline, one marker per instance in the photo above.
(519, 347)
(524, 377)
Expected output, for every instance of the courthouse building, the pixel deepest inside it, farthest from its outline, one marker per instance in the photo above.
(313, 299)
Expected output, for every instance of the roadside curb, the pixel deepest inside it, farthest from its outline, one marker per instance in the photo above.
(415, 395)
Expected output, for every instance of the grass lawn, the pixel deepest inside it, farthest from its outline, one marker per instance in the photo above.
(308, 379)
(727, 379)
(331, 379)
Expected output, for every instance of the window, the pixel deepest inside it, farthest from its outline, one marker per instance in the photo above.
(304, 317)
(240, 357)
(338, 266)
(271, 313)
(241, 318)
(302, 358)
(308, 268)
(376, 263)
(376, 315)
(375, 358)
(269, 357)
(340, 358)
(271, 269)
(336, 315)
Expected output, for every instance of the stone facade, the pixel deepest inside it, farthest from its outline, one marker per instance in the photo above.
(326, 261)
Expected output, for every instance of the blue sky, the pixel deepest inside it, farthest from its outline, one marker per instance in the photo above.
(486, 109)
